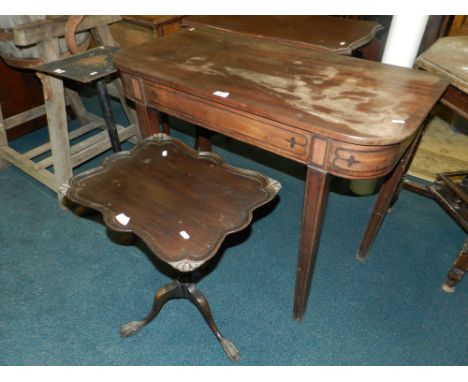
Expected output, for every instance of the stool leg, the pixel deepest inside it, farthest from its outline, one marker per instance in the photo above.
(459, 267)
(171, 290)
(108, 116)
(200, 301)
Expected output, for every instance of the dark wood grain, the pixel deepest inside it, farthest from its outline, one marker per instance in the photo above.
(315, 200)
(20, 90)
(387, 194)
(338, 35)
(180, 202)
(344, 98)
(337, 115)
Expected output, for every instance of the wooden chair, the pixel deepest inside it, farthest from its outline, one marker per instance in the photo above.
(29, 41)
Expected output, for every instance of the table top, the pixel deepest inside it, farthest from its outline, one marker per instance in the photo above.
(336, 34)
(181, 202)
(83, 67)
(339, 97)
(448, 57)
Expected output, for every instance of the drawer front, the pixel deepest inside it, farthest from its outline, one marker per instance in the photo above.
(353, 161)
(272, 136)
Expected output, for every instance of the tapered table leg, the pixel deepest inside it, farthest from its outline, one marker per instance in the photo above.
(203, 139)
(387, 194)
(164, 120)
(315, 200)
(147, 120)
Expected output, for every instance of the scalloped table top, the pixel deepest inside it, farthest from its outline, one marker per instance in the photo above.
(180, 202)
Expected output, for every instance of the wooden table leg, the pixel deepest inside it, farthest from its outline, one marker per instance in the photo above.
(388, 193)
(164, 120)
(203, 139)
(315, 200)
(147, 119)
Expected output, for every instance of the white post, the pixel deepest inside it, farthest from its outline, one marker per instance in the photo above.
(403, 40)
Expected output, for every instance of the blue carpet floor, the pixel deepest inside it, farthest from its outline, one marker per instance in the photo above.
(66, 284)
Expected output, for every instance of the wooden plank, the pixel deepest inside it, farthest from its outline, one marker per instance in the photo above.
(102, 144)
(54, 99)
(29, 167)
(72, 135)
(77, 106)
(24, 116)
(89, 142)
(3, 139)
(32, 33)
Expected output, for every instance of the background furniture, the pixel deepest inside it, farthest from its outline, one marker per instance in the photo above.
(88, 67)
(447, 58)
(183, 214)
(335, 34)
(135, 30)
(363, 115)
(451, 192)
(27, 45)
(20, 90)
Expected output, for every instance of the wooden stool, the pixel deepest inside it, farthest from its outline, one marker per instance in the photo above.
(91, 66)
(181, 203)
(29, 41)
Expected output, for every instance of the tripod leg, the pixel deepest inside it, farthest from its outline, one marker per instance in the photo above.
(200, 301)
(171, 290)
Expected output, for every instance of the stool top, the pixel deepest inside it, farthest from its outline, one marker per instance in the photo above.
(182, 203)
(83, 67)
(448, 57)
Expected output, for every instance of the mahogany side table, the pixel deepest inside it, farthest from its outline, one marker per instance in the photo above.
(337, 115)
(181, 203)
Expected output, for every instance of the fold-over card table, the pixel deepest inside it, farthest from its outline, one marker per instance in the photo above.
(181, 203)
(337, 115)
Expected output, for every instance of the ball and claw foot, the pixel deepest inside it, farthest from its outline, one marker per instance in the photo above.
(131, 328)
(448, 288)
(230, 349)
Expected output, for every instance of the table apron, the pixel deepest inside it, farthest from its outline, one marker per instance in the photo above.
(343, 159)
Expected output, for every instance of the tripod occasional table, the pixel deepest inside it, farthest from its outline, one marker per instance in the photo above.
(181, 203)
(337, 115)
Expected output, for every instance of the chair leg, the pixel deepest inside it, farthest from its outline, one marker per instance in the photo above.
(459, 267)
